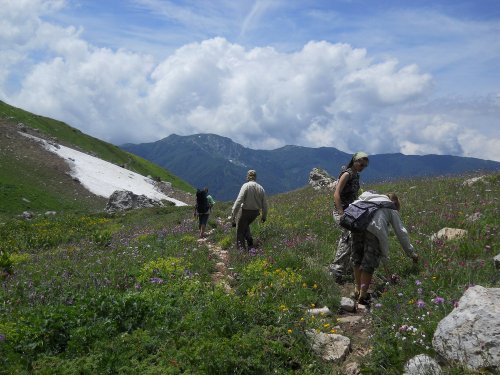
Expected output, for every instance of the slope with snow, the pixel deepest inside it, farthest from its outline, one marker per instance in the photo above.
(103, 178)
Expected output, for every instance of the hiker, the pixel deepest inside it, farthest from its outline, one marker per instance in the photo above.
(346, 192)
(251, 200)
(372, 245)
(202, 209)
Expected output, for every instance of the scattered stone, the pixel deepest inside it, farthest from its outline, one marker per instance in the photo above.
(352, 368)
(28, 215)
(412, 187)
(347, 304)
(422, 365)
(449, 234)
(474, 217)
(50, 213)
(320, 311)
(329, 346)
(472, 181)
(320, 179)
(469, 334)
(497, 261)
(26, 200)
(351, 319)
(123, 200)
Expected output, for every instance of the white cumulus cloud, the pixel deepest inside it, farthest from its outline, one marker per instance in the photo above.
(325, 94)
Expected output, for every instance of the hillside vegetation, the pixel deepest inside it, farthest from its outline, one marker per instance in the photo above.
(133, 293)
(26, 173)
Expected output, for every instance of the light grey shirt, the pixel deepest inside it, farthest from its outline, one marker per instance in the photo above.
(379, 226)
(251, 197)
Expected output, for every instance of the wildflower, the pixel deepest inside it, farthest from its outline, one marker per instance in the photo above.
(156, 280)
(313, 305)
(326, 325)
(290, 331)
(411, 302)
(315, 286)
(400, 294)
(418, 282)
(438, 300)
(333, 330)
(2, 337)
(419, 290)
(304, 285)
(420, 304)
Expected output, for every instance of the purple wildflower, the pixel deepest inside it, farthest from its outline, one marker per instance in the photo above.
(420, 290)
(420, 304)
(2, 337)
(378, 305)
(438, 300)
(156, 280)
(418, 282)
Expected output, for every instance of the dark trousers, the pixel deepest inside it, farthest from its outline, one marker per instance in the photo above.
(243, 234)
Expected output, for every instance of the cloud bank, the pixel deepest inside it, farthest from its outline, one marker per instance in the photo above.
(325, 94)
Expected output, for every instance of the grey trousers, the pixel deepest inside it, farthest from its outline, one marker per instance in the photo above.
(243, 234)
(341, 265)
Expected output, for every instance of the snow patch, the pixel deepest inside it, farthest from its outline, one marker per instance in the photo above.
(103, 178)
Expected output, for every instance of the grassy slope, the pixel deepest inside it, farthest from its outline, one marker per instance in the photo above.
(74, 137)
(85, 296)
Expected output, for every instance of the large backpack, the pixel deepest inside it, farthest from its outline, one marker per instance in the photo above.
(202, 206)
(358, 215)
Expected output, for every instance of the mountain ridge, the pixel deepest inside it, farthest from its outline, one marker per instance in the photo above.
(220, 163)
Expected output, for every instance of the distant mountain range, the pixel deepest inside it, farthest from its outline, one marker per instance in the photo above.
(221, 164)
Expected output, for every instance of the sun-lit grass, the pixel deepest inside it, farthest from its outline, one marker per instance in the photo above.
(132, 293)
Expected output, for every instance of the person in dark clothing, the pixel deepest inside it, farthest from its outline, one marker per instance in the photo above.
(346, 192)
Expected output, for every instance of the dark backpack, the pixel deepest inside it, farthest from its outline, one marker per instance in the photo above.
(202, 206)
(358, 215)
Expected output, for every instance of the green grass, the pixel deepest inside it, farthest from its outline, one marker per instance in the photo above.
(132, 293)
(75, 138)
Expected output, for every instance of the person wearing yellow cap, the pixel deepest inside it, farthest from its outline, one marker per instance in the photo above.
(250, 201)
(346, 192)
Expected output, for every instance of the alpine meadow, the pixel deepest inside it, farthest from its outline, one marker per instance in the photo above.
(136, 292)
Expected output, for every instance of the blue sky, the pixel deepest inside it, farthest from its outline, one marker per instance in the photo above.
(416, 77)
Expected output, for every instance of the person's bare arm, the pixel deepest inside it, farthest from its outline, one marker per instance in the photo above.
(336, 196)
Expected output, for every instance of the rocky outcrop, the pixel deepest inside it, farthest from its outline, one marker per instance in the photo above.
(472, 181)
(320, 179)
(469, 334)
(123, 200)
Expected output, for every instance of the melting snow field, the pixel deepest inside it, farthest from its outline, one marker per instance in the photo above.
(103, 178)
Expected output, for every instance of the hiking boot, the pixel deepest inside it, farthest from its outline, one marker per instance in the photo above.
(366, 300)
(339, 279)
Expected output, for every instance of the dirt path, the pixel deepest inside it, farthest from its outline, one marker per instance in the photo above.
(355, 325)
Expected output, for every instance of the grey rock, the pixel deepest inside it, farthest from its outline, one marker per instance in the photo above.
(325, 311)
(28, 215)
(470, 333)
(449, 234)
(330, 347)
(347, 304)
(422, 365)
(122, 200)
(320, 179)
